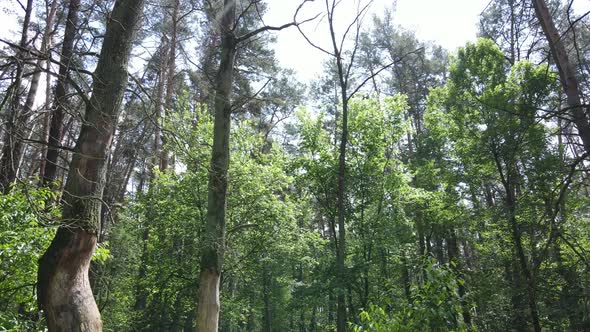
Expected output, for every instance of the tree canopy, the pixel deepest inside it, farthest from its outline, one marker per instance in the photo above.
(160, 171)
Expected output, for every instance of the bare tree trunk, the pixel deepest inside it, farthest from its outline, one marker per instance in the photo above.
(64, 292)
(45, 45)
(522, 260)
(171, 71)
(340, 194)
(567, 73)
(160, 108)
(34, 87)
(12, 149)
(214, 237)
(47, 116)
(61, 90)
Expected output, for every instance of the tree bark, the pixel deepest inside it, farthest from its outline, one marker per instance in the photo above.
(214, 236)
(64, 292)
(61, 90)
(567, 73)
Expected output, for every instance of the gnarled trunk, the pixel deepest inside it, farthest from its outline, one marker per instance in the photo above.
(63, 286)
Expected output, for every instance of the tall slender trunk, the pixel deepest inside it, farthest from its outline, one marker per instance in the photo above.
(12, 149)
(47, 116)
(266, 294)
(453, 253)
(159, 106)
(61, 90)
(171, 71)
(63, 287)
(341, 196)
(214, 235)
(40, 66)
(567, 73)
(45, 45)
(525, 271)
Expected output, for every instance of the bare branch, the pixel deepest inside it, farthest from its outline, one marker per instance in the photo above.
(275, 28)
(380, 70)
(264, 29)
(303, 33)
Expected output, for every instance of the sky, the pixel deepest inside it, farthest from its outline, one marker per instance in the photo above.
(449, 23)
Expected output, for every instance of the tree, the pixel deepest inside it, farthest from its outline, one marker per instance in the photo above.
(567, 73)
(344, 63)
(60, 97)
(214, 235)
(64, 291)
(492, 109)
(12, 149)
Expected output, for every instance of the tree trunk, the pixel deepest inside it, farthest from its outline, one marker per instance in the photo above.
(266, 294)
(12, 149)
(171, 70)
(46, 117)
(522, 260)
(64, 292)
(61, 90)
(340, 197)
(214, 235)
(159, 106)
(567, 73)
(45, 45)
(453, 252)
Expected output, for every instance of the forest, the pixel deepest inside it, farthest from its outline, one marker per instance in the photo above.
(160, 170)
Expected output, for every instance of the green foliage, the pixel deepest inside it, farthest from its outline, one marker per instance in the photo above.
(25, 232)
(434, 304)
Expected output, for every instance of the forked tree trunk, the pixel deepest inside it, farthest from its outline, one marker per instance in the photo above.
(64, 292)
(567, 73)
(214, 237)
